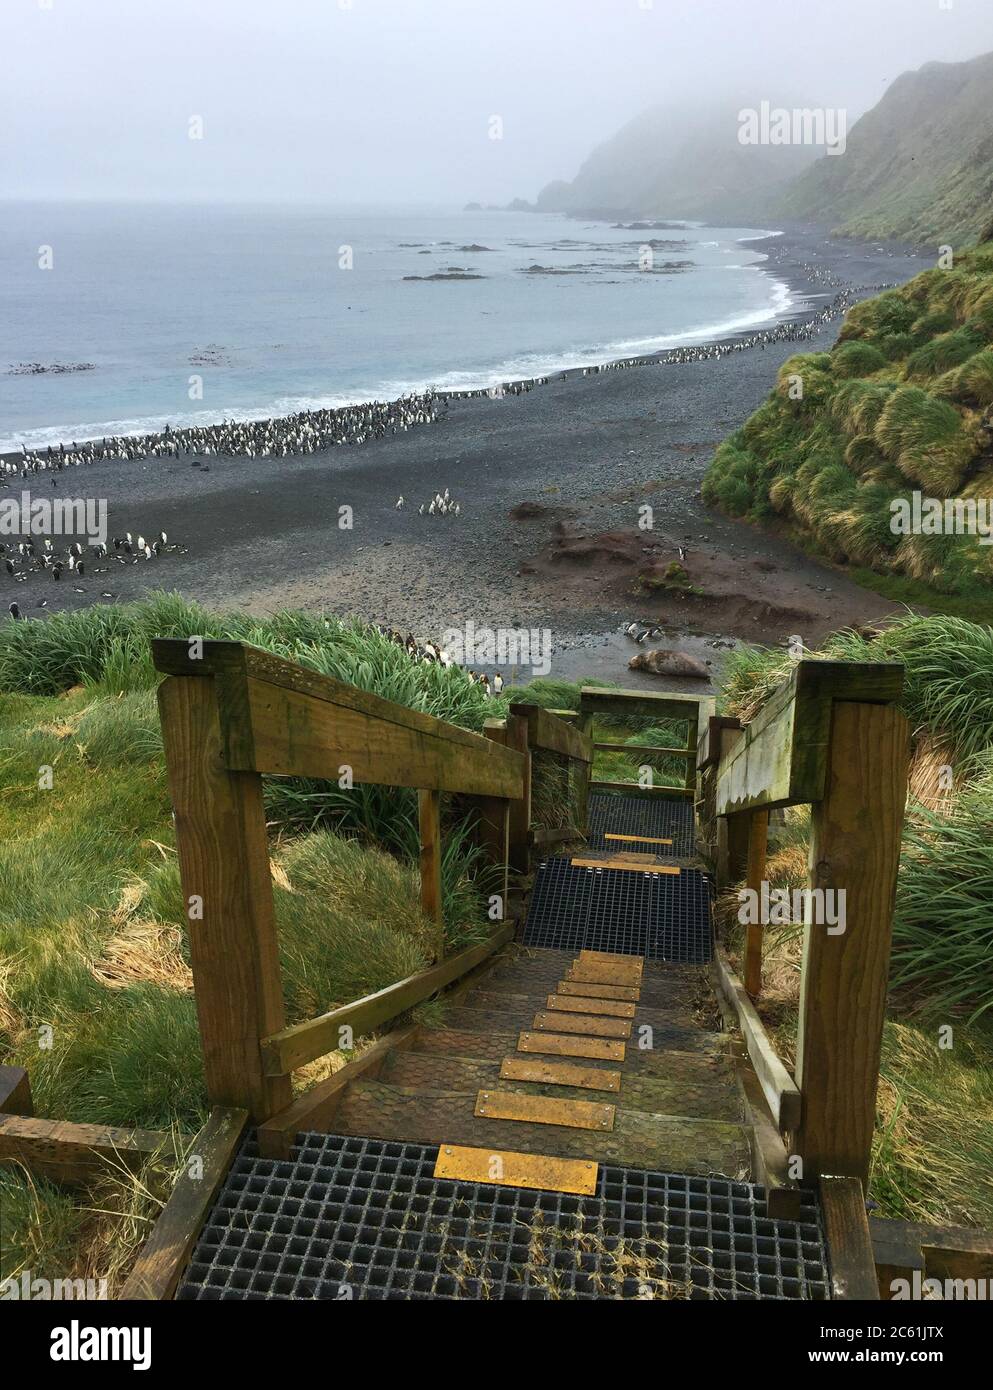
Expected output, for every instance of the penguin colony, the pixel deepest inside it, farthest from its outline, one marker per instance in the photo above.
(311, 431)
(431, 652)
(18, 562)
(308, 432)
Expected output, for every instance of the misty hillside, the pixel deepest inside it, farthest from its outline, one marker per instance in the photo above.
(918, 166)
(665, 163)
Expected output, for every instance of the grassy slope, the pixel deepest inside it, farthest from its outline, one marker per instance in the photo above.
(902, 403)
(933, 1149)
(918, 166)
(92, 938)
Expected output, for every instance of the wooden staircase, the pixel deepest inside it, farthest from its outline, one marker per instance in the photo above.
(676, 1106)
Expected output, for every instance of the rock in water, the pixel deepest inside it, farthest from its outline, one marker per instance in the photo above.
(662, 662)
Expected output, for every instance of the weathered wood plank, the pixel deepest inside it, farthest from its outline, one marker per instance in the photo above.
(429, 829)
(227, 886)
(851, 1265)
(554, 735)
(652, 704)
(770, 1160)
(296, 736)
(781, 1092)
(854, 849)
(781, 757)
(903, 1248)
(316, 1108)
(514, 735)
(758, 839)
(294, 1047)
(75, 1154)
(279, 718)
(160, 1263)
(639, 748)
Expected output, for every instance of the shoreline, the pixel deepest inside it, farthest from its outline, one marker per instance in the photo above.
(797, 308)
(579, 456)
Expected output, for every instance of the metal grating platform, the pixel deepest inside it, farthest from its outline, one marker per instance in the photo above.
(635, 815)
(365, 1219)
(658, 916)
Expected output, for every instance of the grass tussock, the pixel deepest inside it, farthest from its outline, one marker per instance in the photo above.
(934, 1132)
(902, 403)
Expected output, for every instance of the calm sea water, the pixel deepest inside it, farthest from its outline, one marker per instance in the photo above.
(255, 302)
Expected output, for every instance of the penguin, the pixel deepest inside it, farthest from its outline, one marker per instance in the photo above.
(497, 683)
(14, 611)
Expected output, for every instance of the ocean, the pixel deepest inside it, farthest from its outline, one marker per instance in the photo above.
(199, 313)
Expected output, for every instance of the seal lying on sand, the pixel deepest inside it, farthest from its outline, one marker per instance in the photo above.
(662, 662)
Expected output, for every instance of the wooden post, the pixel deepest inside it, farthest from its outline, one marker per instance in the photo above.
(758, 836)
(15, 1092)
(493, 833)
(691, 747)
(851, 1262)
(855, 847)
(514, 734)
(227, 890)
(429, 821)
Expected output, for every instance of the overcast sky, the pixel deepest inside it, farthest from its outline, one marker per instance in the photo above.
(391, 100)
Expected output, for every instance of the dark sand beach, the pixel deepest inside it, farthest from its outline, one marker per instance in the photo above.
(549, 483)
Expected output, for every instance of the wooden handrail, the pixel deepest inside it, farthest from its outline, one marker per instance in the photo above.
(781, 757)
(643, 748)
(280, 718)
(830, 736)
(304, 1042)
(695, 710)
(231, 713)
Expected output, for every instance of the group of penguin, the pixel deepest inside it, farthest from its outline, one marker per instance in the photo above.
(432, 652)
(307, 432)
(30, 557)
(441, 504)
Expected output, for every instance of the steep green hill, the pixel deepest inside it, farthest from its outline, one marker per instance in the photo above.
(918, 166)
(903, 403)
(674, 163)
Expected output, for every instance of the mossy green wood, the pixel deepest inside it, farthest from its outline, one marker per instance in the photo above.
(304, 1042)
(278, 717)
(780, 759)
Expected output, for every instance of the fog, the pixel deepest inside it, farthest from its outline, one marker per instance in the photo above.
(391, 101)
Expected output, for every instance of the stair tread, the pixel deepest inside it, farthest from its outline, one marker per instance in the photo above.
(521, 1009)
(488, 1044)
(639, 1140)
(665, 1026)
(694, 1088)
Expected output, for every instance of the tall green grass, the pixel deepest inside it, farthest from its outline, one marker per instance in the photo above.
(897, 405)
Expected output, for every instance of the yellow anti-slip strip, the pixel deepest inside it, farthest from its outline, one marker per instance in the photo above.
(570, 1004)
(586, 989)
(624, 866)
(638, 839)
(545, 1073)
(544, 1110)
(508, 1169)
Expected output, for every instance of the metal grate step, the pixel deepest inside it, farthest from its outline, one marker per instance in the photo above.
(658, 917)
(367, 1219)
(635, 815)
